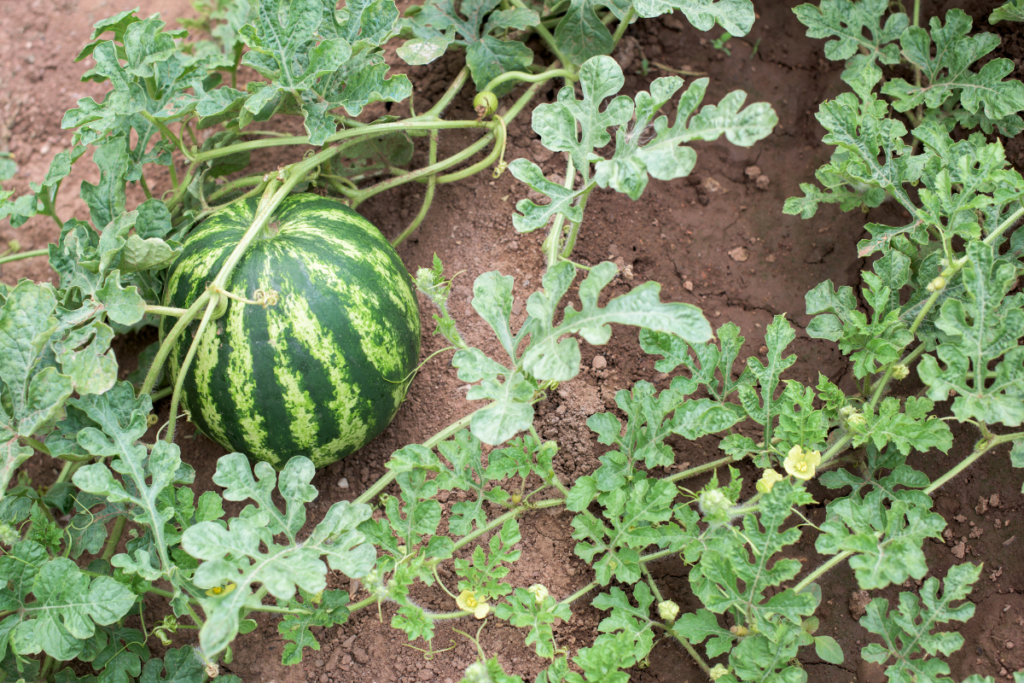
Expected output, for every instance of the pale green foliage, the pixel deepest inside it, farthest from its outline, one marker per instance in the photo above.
(234, 554)
(1012, 10)
(549, 355)
(523, 610)
(470, 25)
(885, 526)
(980, 356)
(907, 633)
(638, 155)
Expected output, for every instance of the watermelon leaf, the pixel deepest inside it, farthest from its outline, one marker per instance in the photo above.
(470, 26)
(234, 557)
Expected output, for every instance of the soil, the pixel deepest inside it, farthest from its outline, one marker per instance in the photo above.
(717, 239)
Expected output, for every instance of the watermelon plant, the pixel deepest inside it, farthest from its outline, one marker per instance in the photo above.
(229, 259)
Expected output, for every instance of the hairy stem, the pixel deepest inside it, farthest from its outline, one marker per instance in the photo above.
(115, 537)
(530, 78)
(172, 417)
(701, 469)
(23, 255)
(166, 310)
(449, 95)
(620, 31)
(428, 198)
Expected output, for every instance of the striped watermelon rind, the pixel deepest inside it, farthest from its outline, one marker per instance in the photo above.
(323, 371)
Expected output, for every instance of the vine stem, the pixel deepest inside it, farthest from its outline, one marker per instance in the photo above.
(690, 649)
(378, 486)
(553, 243)
(172, 417)
(449, 94)
(115, 537)
(620, 31)
(166, 310)
(701, 469)
(578, 594)
(530, 78)
(23, 255)
(428, 198)
(347, 134)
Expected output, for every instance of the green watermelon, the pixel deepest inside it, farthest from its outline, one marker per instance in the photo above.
(321, 372)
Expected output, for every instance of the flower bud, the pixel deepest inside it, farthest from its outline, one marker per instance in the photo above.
(717, 671)
(936, 285)
(900, 371)
(714, 503)
(668, 611)
(768, 480)
(539, 592)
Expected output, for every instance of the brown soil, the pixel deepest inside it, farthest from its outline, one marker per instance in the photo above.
(680, 234)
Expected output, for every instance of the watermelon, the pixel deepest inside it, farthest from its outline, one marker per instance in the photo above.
(321, 372)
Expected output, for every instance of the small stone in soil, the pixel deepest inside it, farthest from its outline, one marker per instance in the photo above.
(762, 182)
(858, 603)
(688, 286)
(599, 363)
(752, 172)
(993, 500)
(426, 675)
(343, 483)
(739, 254)
(360, 655)
(1009, 645)
(348, 642)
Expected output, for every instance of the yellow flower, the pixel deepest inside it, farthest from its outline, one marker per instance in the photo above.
(467, 601)
(768, 480)
(800, 463)
(717, 671)
(220, 591)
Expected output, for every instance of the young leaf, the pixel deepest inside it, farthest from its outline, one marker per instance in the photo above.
(523, 609)
(635, 621)
(326, 611)
(871, 345)
(885, 528)
(702, 625)
(67, 606)
(778, 335)
(981, 358)
(1013, 10)
(435, 27)
(33, 395)
(948, 73)
(550, 356)
(600, 78)
(849, 24)
(909, 631)
(666, 156)
(235, 555)
(726, 564)
(482, 574)
(581, 35)
(532, 216)
(603, 662)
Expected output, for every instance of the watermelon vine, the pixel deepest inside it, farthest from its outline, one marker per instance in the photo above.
(198, 261)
